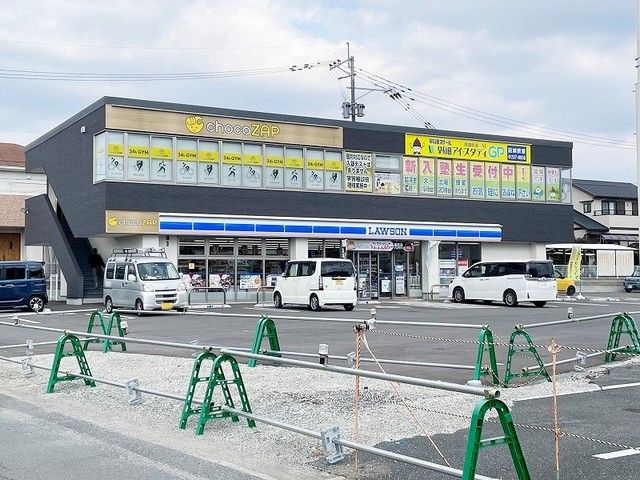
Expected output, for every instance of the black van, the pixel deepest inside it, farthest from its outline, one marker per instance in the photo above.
(23, 285)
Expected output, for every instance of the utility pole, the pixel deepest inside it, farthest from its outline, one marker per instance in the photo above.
(353, 83)
(350, 109)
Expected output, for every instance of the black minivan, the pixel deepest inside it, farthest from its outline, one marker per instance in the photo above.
(23, 285)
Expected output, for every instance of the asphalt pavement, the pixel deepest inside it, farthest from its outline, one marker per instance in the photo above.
(602, 423)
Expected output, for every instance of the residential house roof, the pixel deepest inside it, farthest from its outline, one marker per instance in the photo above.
(588, 223)
(11, 155)
(605, 189)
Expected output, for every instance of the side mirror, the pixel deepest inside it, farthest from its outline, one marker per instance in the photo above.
(131, 277)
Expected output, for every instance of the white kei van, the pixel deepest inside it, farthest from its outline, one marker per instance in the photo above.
(506, 281)
(317, 282)
(142, 279)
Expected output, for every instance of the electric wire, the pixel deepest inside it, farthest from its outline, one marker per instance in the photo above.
(476, 114)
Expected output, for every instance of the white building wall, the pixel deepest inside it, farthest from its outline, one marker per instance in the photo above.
(513, 251)
(15, 181)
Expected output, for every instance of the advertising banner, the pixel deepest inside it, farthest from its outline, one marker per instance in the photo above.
(537, 184)
(466, 149)
(523, 182)
(410, 175)
(565, 185)
(427, 176)
(553, 184)
(573, 268)
(388, 183)
(476, 179)
(445, 182)
(460, 178)
(508, 181)
(492, 180)
(359, 172)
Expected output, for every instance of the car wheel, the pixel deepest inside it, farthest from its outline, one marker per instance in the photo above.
(348, 306)
(510, 298)
(108, 305)
(277, 300)
(36, 303)
(539, 304)
(628, 290)
(314, 303)
(139, 306)
(458, 295)
(571, 290)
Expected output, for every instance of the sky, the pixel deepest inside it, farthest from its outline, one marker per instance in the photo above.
(562, 70)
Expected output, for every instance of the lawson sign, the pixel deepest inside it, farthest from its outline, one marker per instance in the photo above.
(323, 228)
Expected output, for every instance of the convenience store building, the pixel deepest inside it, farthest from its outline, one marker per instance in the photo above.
(232, 195)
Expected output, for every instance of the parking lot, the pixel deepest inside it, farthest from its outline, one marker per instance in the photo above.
(598, 421)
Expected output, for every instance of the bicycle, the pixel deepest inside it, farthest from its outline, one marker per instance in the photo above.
(186, 170)
(115, 164)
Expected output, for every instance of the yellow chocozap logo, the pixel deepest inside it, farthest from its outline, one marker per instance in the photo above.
(113, 221)
(194, 123)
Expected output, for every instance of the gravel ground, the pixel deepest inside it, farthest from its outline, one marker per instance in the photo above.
(307, 398)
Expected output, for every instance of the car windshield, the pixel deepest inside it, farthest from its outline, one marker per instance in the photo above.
(157, 271)
(636, 272)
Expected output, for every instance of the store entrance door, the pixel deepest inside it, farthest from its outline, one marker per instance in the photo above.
(381, 274)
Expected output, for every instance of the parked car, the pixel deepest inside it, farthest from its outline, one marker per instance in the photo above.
(317, 282)
(632, 282)
(506, 281)
(23, 285)
(565, 285)
(142, 279)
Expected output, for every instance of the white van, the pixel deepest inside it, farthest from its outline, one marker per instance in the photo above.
(317, 282)
(506, 281)
(142, 279)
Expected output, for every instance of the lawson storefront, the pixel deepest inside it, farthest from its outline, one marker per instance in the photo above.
(232, 195)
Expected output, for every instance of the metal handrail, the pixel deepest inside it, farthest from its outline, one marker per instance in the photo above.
(263, 288)
(213, 289)
(440, 285)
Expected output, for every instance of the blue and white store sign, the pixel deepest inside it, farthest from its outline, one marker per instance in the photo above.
(175, 224)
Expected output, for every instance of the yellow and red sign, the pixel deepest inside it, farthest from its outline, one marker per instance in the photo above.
(466, 149)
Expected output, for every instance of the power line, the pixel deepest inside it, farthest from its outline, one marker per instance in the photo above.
(10, 74)
(493, 119)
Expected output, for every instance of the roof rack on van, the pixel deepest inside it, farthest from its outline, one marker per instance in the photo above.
(138, 252)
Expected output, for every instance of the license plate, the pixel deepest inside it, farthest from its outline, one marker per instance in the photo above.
(339, 282)
(166, 305)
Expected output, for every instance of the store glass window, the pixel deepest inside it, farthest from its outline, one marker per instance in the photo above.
(455, 258)
(222, 273)
(252, 165)
(138, 157)
(387, 163)
(221, 246)
(330, 248)
(333, 170)
(115, 156)
(191, 246)
(250, 274)
(100, 157)
(294, 163)
(272, 270)
(315, 169)
(274, 172)
(315, 248)
(208, 162)
(161, 158)
(249, 246)
(186, 158)
(231, 164)
(277, 247)
(194, 271)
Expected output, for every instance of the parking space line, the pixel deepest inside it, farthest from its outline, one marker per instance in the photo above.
(618, 454)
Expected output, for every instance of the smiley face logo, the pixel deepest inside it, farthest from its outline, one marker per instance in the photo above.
(113, 221)
(194, 123)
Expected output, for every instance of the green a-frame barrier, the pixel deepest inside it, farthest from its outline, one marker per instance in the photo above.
(107, 328)
(208, 410)
(60, 353)
(265, 328)
(622, 325)
(475, 442)
(515, 349)
(485, 345)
